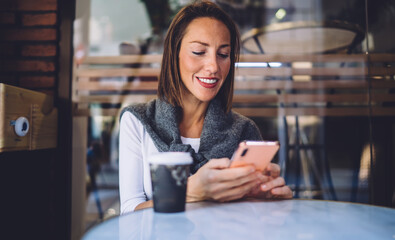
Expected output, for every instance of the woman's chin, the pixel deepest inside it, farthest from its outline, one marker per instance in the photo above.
(206, 98)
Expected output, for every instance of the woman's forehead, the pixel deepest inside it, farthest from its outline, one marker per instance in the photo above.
(205, 28)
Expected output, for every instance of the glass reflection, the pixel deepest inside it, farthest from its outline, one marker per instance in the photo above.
(316, 75)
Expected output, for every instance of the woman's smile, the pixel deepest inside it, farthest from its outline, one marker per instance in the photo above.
(208, 82)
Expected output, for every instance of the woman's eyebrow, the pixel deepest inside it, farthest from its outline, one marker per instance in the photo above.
(202, 43)
(206, 44)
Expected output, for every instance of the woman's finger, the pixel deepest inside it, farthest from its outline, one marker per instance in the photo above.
(231, 174)
(277, 182)
(282, 192)
(273, 170)
(234, 183)
(235, 193)
(218, 163)
(224, 173)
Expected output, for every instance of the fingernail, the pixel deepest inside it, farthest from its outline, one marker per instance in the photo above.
(260, 176)
(263, 187)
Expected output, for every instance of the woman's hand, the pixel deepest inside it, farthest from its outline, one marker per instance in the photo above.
(216, 181)
(272, 186)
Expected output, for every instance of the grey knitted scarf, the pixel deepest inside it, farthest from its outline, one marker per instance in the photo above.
(220, 136)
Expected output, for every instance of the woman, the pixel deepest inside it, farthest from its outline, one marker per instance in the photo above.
(193, 114)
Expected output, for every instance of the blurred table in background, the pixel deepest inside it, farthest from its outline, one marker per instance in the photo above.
(303, 37)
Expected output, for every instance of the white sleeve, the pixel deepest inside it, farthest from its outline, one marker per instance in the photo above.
(131, 173)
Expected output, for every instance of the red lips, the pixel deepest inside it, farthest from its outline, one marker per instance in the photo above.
(208, 85)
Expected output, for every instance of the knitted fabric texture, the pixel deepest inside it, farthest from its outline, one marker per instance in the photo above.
(220, 136)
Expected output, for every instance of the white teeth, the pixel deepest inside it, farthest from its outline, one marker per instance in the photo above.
(210, 81)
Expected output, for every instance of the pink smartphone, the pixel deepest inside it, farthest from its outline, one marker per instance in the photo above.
(259, 153)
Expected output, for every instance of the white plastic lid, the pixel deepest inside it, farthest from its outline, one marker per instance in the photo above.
(171, 158)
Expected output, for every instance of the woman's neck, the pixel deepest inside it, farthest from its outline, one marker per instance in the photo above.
(193, 114)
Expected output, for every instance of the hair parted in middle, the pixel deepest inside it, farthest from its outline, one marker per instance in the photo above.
(171, 87)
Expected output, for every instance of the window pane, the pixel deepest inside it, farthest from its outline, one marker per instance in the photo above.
(312, 75)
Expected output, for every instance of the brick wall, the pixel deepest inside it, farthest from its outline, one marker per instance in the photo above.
(29, 44)
(36, 181)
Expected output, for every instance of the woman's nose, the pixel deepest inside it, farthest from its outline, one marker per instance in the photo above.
(212, 64)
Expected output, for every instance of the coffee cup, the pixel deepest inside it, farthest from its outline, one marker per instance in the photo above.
(169, 177)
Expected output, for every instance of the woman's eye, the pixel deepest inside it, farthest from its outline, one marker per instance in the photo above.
(223, 55)
(198, 53)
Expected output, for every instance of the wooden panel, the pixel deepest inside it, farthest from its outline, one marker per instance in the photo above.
(381, 70)
(44, 128)
(248, 98)
(266, 112)
(282, 71)
(382, 84)
(253, 98)
(118, 72)
(124, 59)
(382, 57)
(37, 108)
(274, 111)
(157, 58)
(383, 97)
(116, 85)
(301, 98)
(303, 58)
(287, 85)
(114, 99)
(102, 112)
(323, 85)
(279, 112)
(239, 85)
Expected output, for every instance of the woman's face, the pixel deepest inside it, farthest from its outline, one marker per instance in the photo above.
(204, 59)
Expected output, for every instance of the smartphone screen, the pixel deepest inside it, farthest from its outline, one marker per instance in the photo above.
(258, 153)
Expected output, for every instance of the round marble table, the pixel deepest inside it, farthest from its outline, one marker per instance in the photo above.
(285, 219)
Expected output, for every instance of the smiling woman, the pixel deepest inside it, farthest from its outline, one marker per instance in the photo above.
(170, 72)
(192, 114)
(332, 113)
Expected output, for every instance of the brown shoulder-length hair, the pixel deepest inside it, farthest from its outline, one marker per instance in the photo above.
(171, 87)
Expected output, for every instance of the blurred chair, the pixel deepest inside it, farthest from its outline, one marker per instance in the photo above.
(94, 156)
(128, 48)
(303, 38)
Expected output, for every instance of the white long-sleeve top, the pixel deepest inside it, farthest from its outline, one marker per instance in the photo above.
(135, 147)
